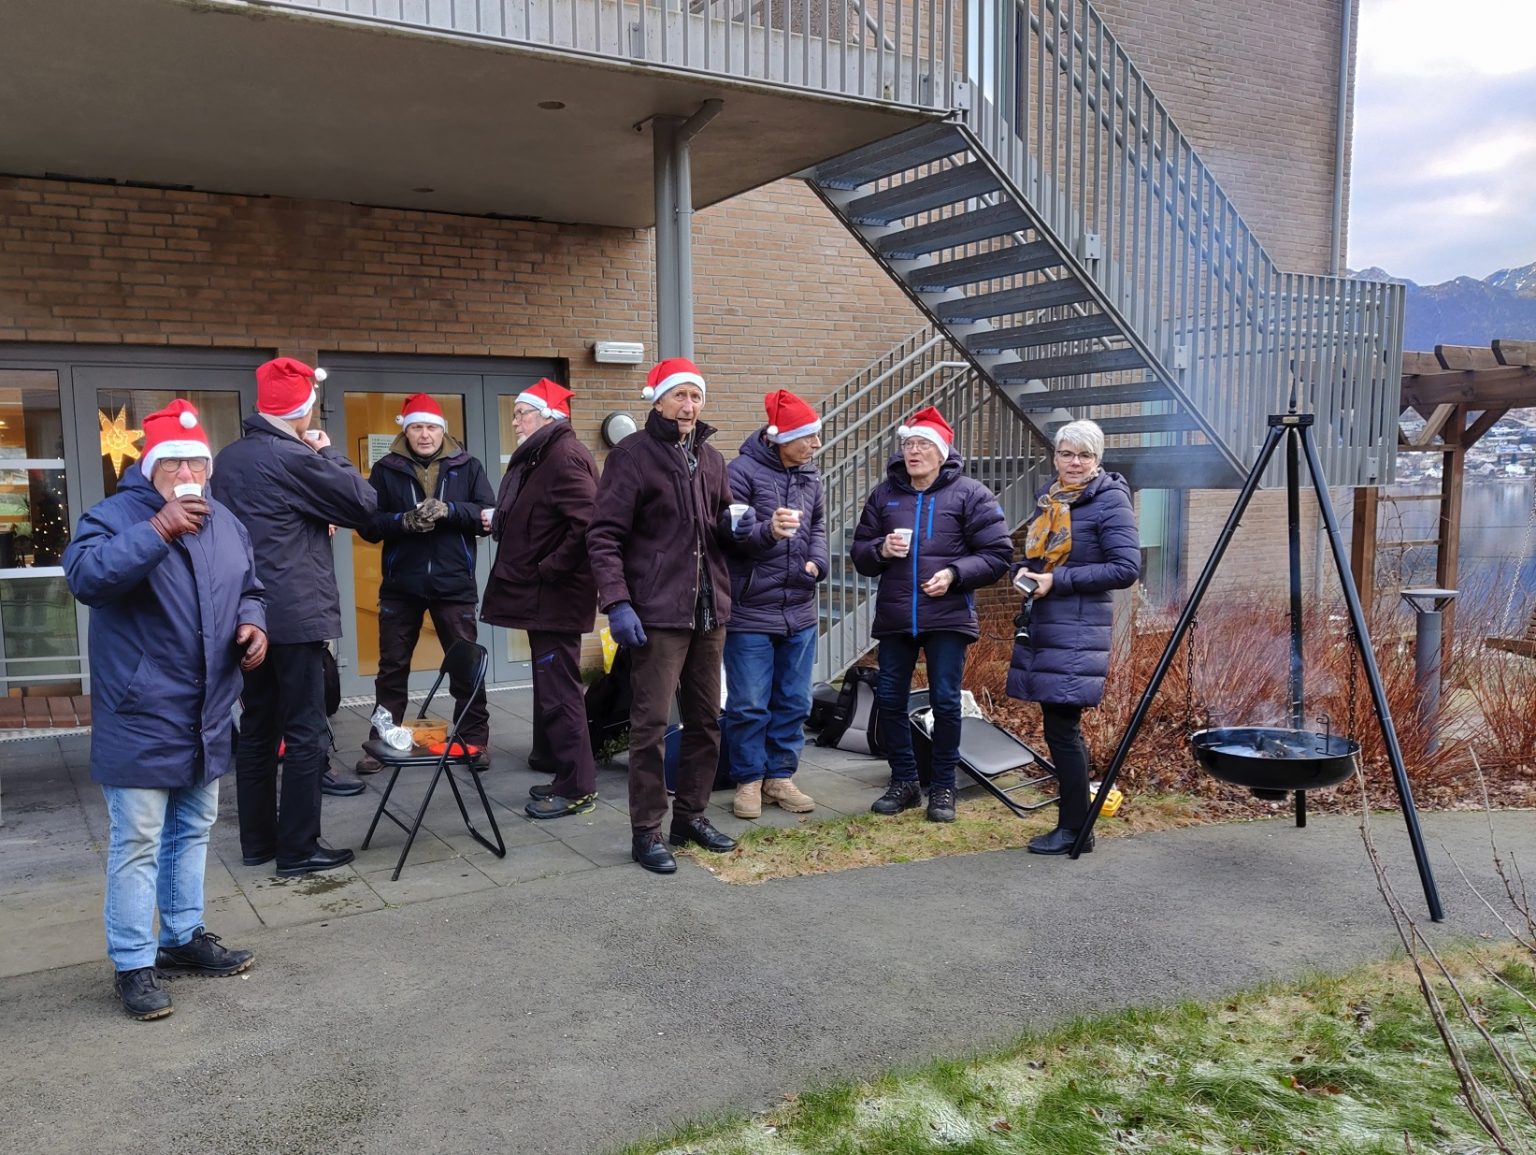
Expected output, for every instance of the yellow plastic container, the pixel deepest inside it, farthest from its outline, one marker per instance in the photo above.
(1112, 800)
(425, 731)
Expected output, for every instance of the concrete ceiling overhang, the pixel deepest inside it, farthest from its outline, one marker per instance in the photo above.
(243, 99)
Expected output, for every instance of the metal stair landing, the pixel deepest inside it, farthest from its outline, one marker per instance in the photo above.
(966, 246)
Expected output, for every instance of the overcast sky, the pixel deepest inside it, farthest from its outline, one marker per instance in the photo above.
(1443, 182)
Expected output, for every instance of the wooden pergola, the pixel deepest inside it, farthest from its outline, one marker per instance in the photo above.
(1461, 392)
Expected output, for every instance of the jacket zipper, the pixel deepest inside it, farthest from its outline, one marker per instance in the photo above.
(917, 525)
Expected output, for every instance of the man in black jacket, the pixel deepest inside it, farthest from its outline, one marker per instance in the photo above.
(433, 497)
(288, 487)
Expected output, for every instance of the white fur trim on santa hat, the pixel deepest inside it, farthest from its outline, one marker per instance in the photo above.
(534, 401)
(926, 431)
(779, 437)
(682, 377)
(421, 419)
(189, 448)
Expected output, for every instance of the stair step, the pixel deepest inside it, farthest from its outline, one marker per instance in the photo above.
(951, 232)
(1173, 467)
(1142, 423)
(1044, 333)
(1005, 302)
(1012, 261)
(1070, 365)
(948, 187)
(896, 154)
(1088, 397)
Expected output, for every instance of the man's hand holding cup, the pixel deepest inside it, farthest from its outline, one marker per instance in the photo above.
(184, 513)
(785, 523)
(898, 543)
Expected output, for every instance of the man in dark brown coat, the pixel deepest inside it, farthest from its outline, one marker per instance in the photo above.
(663, 515)
(541, 582)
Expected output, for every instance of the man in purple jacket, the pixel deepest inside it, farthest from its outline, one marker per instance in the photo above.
(931, 535)
(770, 646)
(655, 543)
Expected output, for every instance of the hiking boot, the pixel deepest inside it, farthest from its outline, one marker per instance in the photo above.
(748, 802)
(650, 851)
(941, 804)
(480, 762)
(898, 796)
(554, 806)
(204, 954)
(1058, 841)
(787, 795)
(367, 764)
(143, 996)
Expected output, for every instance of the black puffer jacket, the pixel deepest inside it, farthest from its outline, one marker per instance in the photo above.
(287, 495)
(437, 566)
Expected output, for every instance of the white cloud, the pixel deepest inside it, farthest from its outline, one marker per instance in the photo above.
(1430, 38)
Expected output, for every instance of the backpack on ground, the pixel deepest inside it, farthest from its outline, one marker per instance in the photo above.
(853, 723)
(608, 700)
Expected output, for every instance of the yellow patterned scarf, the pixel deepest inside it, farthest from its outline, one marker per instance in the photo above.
(1050, 535)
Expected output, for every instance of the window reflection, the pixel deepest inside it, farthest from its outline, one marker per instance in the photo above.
(34, 503)
(120, 416)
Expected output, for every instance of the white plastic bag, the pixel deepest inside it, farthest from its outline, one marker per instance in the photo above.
(395, 737)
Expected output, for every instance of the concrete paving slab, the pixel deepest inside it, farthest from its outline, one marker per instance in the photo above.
(421, 881)
(526, 863)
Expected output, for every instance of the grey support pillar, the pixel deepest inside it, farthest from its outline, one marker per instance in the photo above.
(670, 137)
(1428, 606)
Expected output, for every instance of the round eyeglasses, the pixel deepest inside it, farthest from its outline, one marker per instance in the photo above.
(1068, 455)
(174, 464)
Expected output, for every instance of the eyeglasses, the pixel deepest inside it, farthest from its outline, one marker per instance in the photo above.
(918, 442)
(1068, 455)
(174, 464)
(519, 414)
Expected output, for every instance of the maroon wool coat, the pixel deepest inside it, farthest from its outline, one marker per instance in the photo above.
(540, 578)
(657, 530)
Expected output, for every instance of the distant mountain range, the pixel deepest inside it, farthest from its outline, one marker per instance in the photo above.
(1467, 311)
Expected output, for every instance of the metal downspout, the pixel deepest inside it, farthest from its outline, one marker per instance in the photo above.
(1340, 144)
(673, 183)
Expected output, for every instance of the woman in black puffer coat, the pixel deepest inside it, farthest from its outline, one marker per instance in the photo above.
(1081, 545)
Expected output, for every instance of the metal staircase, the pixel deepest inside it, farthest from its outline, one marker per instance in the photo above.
(1067, 239)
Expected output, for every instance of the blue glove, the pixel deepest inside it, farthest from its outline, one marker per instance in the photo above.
(624, 625)
(745, 526)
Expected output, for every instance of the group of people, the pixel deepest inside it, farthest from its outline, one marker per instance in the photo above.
(211, 581)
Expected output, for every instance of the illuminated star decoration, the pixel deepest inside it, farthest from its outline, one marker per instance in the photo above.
(117, 439)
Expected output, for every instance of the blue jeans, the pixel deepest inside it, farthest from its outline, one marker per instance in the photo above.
(155, 858)
(767, 698)
(945, 653)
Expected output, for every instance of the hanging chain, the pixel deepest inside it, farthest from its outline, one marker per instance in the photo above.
(1354, 682)
(1189, 677)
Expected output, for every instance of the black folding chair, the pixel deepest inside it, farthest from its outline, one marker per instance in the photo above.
(464, 665)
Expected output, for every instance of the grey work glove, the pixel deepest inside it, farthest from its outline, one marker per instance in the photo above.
(433, 510)
(414, 522)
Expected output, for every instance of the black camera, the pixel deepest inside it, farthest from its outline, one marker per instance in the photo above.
(1025, 583)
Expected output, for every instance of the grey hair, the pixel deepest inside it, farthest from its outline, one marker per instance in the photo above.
(1085, 434)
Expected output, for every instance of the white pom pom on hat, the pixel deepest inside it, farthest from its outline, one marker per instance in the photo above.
(188, 420)
(672, 372)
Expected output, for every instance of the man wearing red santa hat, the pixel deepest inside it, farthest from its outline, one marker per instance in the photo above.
(176, 613)
(289, 486)
(432, 494)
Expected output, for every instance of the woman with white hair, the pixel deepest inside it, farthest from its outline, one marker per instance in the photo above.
(1080, 545)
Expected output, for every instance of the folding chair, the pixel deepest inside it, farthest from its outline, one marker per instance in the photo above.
(987, 751)
(464, 664)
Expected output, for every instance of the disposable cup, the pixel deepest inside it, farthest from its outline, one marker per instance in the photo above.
(485, 517)
(793, 516)
(738, 511)
(902, 535)
(312, 435)
(188, 489)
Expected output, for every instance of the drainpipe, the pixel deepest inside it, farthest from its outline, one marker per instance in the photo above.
(673, 184)
(1340, 144)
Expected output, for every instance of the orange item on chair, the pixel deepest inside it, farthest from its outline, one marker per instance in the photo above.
(458, 749)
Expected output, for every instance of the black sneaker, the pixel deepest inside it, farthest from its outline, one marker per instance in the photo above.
(941, 804)
(204, 954)
(1058, 841)
(143, 996)
(555, 806)
(898, 796)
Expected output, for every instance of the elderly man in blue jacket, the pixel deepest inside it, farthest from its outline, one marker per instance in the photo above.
(176, 613)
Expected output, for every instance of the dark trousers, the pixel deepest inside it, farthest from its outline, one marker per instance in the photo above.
(685, 663)
(944, 654)
(399, 628)
(284, 702)
(561, 709)
(1064, 737)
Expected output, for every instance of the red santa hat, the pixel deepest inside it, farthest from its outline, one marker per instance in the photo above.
(666, 374)
(173, 432)
(285, 388)
(929, 423)
(420, 409)
(789, 417)
(550, 398)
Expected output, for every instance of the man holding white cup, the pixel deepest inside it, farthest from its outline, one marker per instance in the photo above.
(770, 644)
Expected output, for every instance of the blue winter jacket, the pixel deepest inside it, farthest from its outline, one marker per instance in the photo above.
(956, 522)
(771, 592)
(1067, 657)
(165, 670)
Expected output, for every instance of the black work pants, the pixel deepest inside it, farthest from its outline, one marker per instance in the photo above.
(400, 620)
(685, 663)
(1069, 753)
(284, 703)
(560, 706)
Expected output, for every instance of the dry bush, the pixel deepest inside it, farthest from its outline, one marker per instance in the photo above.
(1506, 697)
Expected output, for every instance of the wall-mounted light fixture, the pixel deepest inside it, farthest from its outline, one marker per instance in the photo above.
(616, 427)
(618, 352)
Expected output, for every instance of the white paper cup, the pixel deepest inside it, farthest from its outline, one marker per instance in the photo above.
(902, 535)
(793, 515)
(188, 489)
(311, 435)
(738, 511)
(485, 517)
